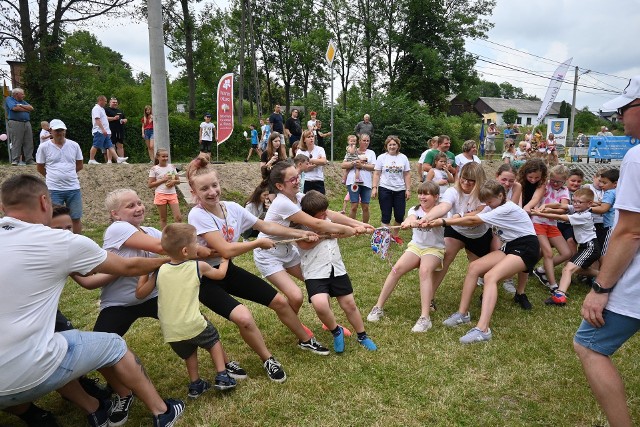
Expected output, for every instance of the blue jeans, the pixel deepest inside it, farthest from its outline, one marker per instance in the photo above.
(148, 134)
(392, 200)
(606, 340)
(363, 195)
(69, 198)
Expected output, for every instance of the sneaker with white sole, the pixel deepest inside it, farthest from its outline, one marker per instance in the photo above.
(274, 370)
(175, 408)
(196, 388)
(122, 160)
(120, 412)
(476, 335)
(480, 281)
(508, 286)
(235, 371)
(93, 162)
(100, 418)
(456, 319)
(541, 276)
(422, 325)
(375, 314)
(224, 382)
(313, 346)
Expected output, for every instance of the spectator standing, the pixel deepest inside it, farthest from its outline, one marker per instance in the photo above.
(117, 120)
(490, 140)
(423, 168)
(469, 151)
(311, 123)
(206, 135)
(19, 127)
(292, 127)
(102, 134)
(320, 136)
(314, 175)
(364, 126)
(276, 122)
(444, 143)
(265, 128)
(59, 161)
(147, 131)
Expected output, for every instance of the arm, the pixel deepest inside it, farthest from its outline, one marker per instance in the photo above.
(146, 285)
(409, 222)
(275, 229)
(214, 273)
(548, 215)
(407, 183)
(143, 241)
(227, 250)
(601, 208)
(517, 193)
(348, 165)
(142, 128)
(537, 197)
(319, 161)
(339, 218)
(137, 266)
(430, 175)
(437, 211)
(93, 281)
(41, 169)
(153, 183)
(319, 225)
(376, 181)
(100, 125)
(79, 165)
(466, 221)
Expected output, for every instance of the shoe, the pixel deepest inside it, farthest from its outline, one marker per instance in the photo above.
(196, 388)
(120, 411)
(313, 346)
(476, 335)
(308, 331)
(338, 341)
(93, 162)
(522, 300)
(224, 382)
(367, 343)
(122, 160)
(100, 418)
(480, 281)
(14, 163)
(508, 286)
(398, 240)
(422, 325)
(347, 332)
(274, 370)
(235, 371)
(457, 319)
(375, 314)
(433, 306)
(246, 161)
(38, 417)
(542, 277)
(93, 388)
(175, 408)
(557, 298)
(22, 164)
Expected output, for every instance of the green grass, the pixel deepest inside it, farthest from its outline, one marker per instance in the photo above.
(527, 375)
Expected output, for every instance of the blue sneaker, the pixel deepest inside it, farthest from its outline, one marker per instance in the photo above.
(367, 343)
(476, 335)
(224, 382)
(175, 408)
(338, 341)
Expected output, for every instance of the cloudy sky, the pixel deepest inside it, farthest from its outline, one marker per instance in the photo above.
(529, 40)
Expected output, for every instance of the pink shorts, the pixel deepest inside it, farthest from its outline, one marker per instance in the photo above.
(165, 199)
(546, 230)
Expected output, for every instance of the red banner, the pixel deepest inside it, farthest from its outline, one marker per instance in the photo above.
(224, 127)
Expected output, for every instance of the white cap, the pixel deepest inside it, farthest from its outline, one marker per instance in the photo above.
(57, 124)
(630, 93)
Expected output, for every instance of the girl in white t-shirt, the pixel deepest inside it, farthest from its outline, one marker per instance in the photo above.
(439, 173)
(520, 251)
(314, 175)
(506, 176)
(425, 251)
(164, 178)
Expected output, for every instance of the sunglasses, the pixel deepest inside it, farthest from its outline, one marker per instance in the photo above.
(621, 110)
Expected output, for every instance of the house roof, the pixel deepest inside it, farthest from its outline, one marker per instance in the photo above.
(523, 106)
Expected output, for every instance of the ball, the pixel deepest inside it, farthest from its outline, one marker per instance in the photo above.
(3, 137)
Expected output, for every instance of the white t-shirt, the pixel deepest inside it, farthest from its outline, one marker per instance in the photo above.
(598, 194)
(552, 196)
(460, 204)
(97, 112)
(311, 124)
(424, 154)
(461, 160)
(36, 261)
(365, 175)
(426, 237)
(582, 222)
(122, 291)
(624, 298)
(280, 210)
(438, 175)
(207, 130)
(159, 172)
(44, 136)
(317, 262)
(236, 221)
(317, 173)
(509, 221)
(60, 164)
(392, 169)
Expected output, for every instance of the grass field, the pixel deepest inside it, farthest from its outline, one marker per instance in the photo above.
(527, 375)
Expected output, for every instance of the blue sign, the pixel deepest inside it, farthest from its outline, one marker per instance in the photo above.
(610, 147)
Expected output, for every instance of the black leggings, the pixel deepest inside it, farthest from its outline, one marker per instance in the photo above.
(216, 294)
(118, 319)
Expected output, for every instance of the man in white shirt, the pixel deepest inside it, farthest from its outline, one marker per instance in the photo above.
(611, 311)
(102, 133)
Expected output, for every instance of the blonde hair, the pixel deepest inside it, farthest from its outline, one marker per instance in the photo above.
(474, 172)
(114, 199)
(303, 139)
(559, 170)
(199, 166)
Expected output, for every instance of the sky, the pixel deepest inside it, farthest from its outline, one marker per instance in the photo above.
(528, 41)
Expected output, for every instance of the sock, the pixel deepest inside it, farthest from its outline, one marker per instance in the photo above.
(335, 332)
(362, 335)
(224, 373)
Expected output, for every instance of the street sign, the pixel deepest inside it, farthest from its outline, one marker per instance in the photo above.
(331, 52)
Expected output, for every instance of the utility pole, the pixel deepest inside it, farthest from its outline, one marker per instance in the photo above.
(158, 76)
(241, 76)
(256, 80)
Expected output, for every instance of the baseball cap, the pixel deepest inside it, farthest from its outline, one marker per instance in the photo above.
(207, 115)
(630, 93)
(57, 124)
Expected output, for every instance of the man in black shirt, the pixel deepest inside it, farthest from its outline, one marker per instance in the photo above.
(292, 127)
(117, 120)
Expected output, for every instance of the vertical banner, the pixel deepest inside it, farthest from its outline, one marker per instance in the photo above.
(224, 126)
(552, 90)
(558, 127)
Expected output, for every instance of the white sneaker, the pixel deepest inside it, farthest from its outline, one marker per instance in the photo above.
(375, 314)
(122, 160)
(508, 286)
(480, 281)
(93, 162)
(422, 325)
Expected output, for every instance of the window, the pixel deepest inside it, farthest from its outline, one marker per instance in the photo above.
(528, 121)
(519, 121)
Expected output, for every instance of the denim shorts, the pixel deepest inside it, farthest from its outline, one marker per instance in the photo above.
(148, 134)
(86, 352)
(606, 340)
(69, 198)
(362, 195)
(101, 141)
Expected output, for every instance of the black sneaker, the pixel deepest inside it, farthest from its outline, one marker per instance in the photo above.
(542, 277)
(522, 300)
(198, 387)
(120, 412)
(235, 371)
(93, 388)
(224, 382)
(100, 418)
(313, 346)
(274, 370)
(433, 306)
(175, 408)
(38, 417)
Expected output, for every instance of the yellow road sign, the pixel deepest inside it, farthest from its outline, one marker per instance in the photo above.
(331, 52)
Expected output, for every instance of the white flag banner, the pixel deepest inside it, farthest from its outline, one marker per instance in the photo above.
(552, 90)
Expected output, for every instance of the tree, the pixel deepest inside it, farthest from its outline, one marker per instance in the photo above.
(509, 91)
(564, 112)
(510, 116)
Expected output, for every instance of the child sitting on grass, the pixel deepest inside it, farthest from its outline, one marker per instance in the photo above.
(183, 326)
(325, 277)
(585, 235)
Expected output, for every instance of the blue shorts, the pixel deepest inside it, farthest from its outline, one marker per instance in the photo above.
(606, 340)
(362, 195)
(86, 352)
(101, 141)
(148, 134)
(69, 198)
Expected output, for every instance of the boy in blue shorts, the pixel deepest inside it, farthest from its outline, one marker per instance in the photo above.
(608, 182)
(254, 143)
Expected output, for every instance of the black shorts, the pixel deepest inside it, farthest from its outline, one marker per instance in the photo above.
(313, 185)
(119, 319)
(62, 323)
(216, 294)
(479, 247)
(587, 254)
(567, 230)
(205, 339)
(205, 146)
(527, 248)
(117, 137)
(334, 286)
(601, 233)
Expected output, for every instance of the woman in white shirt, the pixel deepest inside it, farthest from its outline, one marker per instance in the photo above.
(314, 175)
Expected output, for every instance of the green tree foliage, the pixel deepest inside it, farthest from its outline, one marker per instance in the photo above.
(510, 116)
(564, 112)
(588, 122)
